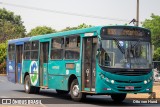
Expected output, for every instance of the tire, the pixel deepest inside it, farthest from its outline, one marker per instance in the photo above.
(118, 97)
(62, 92)
(28, 88)
(76, 95)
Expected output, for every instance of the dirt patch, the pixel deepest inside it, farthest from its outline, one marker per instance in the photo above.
(156, 89)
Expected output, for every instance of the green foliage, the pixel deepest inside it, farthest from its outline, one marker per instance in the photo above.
(3, 47)
(41, 30)
(154, 25)
(11, 26)
(83, 25)
(156, 55)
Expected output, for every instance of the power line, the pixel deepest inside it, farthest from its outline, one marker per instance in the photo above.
(62, 12)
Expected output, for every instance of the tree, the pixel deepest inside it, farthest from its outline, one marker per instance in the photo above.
(154, 25)
(3, 47)
(41, 30)
(11, 26)
(156, 55)
(83, 25)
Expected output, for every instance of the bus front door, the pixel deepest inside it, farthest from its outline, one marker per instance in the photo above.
(18, 73)
(44, 51)
(89, 63)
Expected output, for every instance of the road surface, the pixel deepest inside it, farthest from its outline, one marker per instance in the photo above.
(11, 90)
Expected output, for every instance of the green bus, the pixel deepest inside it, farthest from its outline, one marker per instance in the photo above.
(102, 60)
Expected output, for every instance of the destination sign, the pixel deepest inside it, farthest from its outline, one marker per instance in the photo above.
(124, 32)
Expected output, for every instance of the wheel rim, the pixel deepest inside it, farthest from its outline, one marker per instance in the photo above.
(75, 90)
(27, 85)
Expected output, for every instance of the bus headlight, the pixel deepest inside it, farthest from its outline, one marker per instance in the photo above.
(112, 81)
(145, 82)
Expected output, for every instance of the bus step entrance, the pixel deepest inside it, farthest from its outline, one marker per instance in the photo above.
(44, 87)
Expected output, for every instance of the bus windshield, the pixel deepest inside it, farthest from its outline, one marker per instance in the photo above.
(129, 54)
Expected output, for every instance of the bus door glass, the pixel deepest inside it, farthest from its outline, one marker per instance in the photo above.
(89, 63)
(11, 63)
(19, 51)
(44, 51)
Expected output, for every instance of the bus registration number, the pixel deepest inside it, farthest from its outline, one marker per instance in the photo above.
(129, 87)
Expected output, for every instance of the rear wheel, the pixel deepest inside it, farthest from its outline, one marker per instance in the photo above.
(118, 97)
(62, 92)
(28, 88)
(76, 95)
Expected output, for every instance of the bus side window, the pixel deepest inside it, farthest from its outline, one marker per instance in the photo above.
(27, 48)
(11, 51)
(57, 48)
(34, 50)
(72, 47)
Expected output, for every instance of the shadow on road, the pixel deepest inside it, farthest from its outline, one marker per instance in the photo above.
(66, 99)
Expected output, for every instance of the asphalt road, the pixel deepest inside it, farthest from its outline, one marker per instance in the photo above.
(11, 90)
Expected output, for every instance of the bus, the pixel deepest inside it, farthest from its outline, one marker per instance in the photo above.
(101, 60)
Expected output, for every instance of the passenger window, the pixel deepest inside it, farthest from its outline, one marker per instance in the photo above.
(34, 50)
(72, 47)
(27, 47)
(11, 52)
(57, 48)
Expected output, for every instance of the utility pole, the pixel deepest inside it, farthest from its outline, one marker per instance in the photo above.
(137, 20)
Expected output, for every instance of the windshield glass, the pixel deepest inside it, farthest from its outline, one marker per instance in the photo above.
(125, 54)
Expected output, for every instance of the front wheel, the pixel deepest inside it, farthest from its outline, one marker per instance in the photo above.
(118, 97)
(76, 95)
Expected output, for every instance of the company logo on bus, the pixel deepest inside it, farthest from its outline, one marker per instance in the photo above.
(34, 73)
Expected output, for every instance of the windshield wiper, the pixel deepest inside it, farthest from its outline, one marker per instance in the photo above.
(118, 45)
(132, 48)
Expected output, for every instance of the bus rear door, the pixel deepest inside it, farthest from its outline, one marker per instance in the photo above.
(44, 51)
(19, 55)
(89, 63)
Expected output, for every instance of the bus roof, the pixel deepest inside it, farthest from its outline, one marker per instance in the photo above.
(65, 33)
(71, 32)
(19, 40)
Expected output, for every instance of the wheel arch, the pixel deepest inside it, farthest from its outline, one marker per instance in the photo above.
(71, 78)
(25, 76)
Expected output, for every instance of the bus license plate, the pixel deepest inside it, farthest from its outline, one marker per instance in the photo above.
(129, 87)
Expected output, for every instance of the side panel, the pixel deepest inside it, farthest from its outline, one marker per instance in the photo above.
(19, 72)
(32, 68)
(11, 71)
(11, 63)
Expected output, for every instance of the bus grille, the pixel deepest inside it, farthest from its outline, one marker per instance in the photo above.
(121, 81)
(131, 73)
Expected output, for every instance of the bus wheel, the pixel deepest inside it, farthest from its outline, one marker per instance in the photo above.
(62, 92)
(118, 97)
(27, 85)
(76, 95)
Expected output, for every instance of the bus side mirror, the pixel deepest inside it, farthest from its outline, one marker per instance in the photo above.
(99, 47)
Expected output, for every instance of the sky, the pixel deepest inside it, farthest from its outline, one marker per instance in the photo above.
(109, 12)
